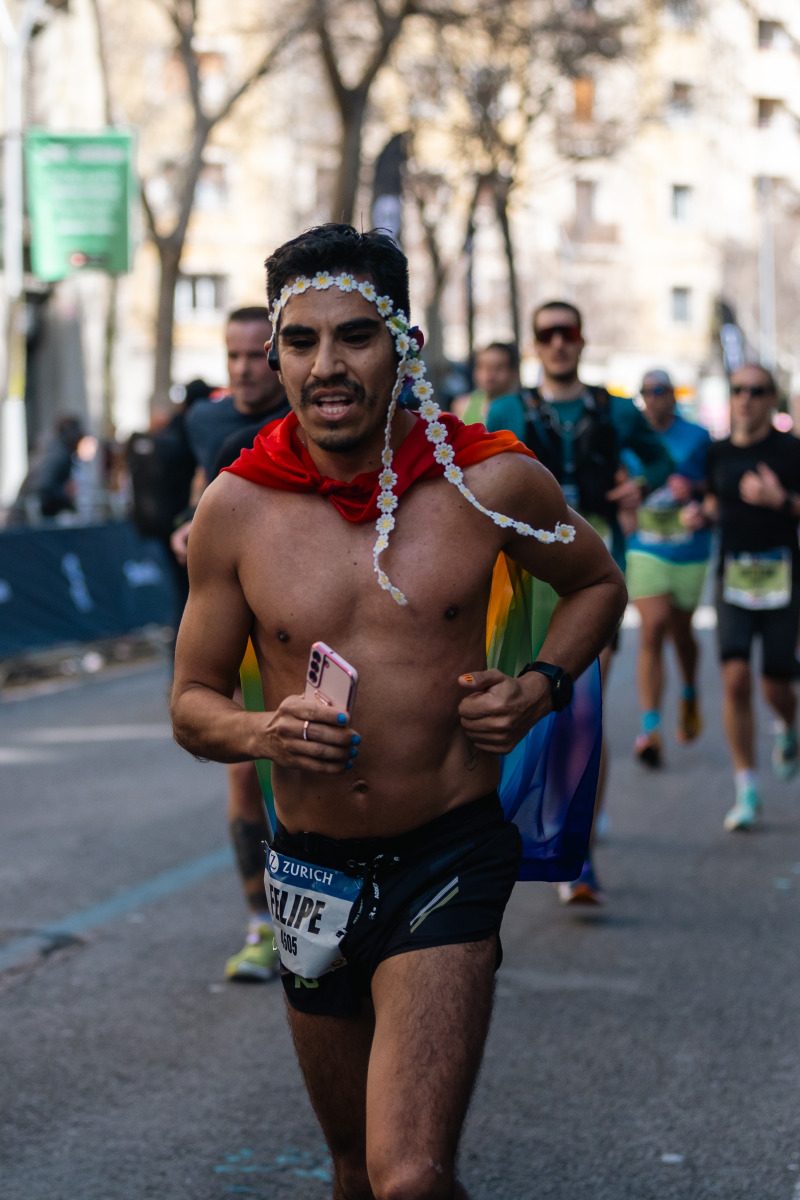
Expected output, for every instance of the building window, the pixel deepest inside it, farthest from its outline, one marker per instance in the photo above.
(681, 202)
(681, 305)
(585, 193)
(583, 90)
(211, 192)
(681, 99)
(681, 13)
(773, 36)
(765, 112)
(200, 296)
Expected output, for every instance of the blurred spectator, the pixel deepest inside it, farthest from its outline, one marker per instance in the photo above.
(496, 375)
(162, 465)
(49, 488)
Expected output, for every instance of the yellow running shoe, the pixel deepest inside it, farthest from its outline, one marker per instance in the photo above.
(690, 723)
(258, 961)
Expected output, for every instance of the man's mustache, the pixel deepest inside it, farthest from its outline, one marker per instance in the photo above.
(311, 390)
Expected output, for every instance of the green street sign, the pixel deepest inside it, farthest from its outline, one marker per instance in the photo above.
(81, 189)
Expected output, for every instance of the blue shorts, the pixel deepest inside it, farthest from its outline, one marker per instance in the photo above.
(446, 882)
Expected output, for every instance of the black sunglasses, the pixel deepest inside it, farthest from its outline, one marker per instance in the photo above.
(569, 333)
(756, 390)
(658, 389)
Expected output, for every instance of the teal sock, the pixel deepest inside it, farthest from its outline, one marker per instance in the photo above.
(689, 691)
(651, 720)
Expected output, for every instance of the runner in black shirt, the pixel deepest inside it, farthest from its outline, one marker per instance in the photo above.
(256, 397)
(754, 480)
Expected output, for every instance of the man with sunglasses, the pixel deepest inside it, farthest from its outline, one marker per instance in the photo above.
(666, 569)
(754, 481)
(579, 432)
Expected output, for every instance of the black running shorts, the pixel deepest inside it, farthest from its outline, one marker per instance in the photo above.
(446, 882)
(777, 628)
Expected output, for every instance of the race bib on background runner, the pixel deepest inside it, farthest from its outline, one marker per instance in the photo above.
(758, 581)
(660, 520)
(310, 908)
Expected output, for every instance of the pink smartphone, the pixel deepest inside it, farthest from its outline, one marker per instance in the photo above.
(330, 679)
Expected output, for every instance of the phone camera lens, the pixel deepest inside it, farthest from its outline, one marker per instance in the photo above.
(315, 656)
(312, 674)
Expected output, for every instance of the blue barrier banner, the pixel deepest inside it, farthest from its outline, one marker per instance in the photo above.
(79, 584)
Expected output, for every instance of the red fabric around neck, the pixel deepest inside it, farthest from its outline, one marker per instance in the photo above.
(279, 460)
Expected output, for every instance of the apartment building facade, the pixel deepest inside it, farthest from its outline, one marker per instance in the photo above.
(661, 194)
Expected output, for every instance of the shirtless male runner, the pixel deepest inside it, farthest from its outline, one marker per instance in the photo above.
(395, 811)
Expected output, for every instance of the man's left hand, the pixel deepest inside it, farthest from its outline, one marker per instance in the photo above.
(762, 488)
(627, 496)
(499, 710)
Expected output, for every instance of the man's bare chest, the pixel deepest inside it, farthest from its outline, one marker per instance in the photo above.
(304, 567)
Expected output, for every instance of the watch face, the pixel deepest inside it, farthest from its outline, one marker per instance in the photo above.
(562, 690)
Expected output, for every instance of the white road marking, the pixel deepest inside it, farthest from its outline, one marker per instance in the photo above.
(12, 756)
(99, 733)
(705, 617)
(569, 981)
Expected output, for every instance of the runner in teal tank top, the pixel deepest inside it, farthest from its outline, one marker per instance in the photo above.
(666, 570)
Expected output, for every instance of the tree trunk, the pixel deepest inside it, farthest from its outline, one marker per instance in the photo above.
(469, 252)
(169, 259)
(352, 113)
(108, 356)
(501, 209)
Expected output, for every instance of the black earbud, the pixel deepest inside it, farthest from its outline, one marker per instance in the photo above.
(272, 357)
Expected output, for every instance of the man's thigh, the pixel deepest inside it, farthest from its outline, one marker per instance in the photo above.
(432, 1011)
(736, 628)
(333, 1053)
(779, 632)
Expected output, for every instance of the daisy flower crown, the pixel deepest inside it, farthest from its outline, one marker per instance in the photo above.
(409, 368)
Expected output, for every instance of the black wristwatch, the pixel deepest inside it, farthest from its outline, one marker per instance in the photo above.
(788, 504)
(560, 683)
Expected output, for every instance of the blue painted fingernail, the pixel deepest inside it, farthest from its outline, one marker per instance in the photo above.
(342, 718)
(347, 766)
(355, 740)
(353, 752)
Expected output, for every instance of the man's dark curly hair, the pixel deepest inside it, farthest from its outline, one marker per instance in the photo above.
(334, 247)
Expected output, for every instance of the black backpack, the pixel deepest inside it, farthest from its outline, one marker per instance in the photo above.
(161, 467)
(595, 446)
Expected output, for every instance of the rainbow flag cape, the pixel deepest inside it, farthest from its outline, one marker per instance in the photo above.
(253, 696)
(548, 783)
(549, 780)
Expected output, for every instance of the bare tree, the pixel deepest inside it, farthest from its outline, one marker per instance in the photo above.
(347, 32)
(168, 232)
(356, 40)
(493, 77)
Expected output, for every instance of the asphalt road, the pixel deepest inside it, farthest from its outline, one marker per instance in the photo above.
(646, 1051)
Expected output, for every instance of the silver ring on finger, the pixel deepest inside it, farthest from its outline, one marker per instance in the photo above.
(305, 730)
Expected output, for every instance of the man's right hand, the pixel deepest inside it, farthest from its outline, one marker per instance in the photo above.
(308, 736)
(179, 542)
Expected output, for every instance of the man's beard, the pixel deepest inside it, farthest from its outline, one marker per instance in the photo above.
(338, 441)
(564, 376)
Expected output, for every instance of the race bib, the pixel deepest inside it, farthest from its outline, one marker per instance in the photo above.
(660, 521)
(310, 908)
(758, 581)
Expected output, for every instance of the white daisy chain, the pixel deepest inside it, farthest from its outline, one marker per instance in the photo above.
(436, 432)
(409, 366)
